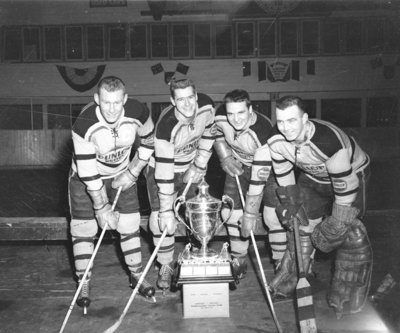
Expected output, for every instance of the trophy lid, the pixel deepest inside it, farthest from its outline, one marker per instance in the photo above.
(203, 200)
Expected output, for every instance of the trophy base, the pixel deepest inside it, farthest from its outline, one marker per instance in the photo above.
(205, 282)
(197, 253)
(196, 267)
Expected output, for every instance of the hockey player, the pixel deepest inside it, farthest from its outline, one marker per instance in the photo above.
(182, 148)
(103, 136)
(333, 172)
(241, 145)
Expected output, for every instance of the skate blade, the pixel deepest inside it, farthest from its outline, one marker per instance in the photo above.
(277, 299)
(164, 294)
(85, 310)
(147, 299)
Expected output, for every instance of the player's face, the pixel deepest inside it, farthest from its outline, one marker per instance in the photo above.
(185, 101)
(238, 114)
(291, 123)
(111, 104)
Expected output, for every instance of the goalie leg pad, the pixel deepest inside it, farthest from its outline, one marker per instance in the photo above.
(285, 280)
(353, 269)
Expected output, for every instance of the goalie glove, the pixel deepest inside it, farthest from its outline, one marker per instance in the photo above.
(331, 232)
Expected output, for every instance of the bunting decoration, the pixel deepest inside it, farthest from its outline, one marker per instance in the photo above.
(81, 79)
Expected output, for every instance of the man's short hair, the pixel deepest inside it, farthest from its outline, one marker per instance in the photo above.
(180, 84)
(237, 96)
(110, 84)
(287, 101)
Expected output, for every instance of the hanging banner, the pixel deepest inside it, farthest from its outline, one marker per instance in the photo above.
(168, 76)
(181, 68)
(262, 73)
(278, 71)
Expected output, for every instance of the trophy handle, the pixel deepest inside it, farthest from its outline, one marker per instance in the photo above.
(179, 201)
(228, 200)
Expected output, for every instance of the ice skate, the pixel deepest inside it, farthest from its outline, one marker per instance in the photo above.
(239, 268)
(165, 278)
(83, 299)
(145, 288)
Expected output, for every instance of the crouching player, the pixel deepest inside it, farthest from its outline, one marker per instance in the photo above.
(333, 174)
(103, 136)
(241, 145)
(182, 148)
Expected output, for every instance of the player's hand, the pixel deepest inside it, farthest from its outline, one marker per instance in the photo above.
(248, 224)
(107, 217)
(125, 180)
(231, 166)
(167, 221)
(194, 173)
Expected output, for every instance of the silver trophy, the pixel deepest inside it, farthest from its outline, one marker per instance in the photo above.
(203, 214)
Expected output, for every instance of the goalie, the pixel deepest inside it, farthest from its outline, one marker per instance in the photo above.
(328, 199)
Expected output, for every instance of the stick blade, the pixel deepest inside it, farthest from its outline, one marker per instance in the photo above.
(305, 307)
(308, 326)
(113, 328)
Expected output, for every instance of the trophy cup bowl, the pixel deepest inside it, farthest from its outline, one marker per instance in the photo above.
(203, 214)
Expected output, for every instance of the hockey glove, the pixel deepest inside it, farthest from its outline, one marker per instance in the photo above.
(195, 173)
(331, 232)
(104, 214)
(291, 198)
(125, 180)
(231, 166)
(249, 220)
(167, 221)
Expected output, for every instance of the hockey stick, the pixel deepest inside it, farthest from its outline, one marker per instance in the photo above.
(89, 265)
(114, 327)
(278, 326)
(305, 304)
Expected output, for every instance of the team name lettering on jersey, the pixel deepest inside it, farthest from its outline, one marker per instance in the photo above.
(115, 156)
(318, 171)
(189, 148)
